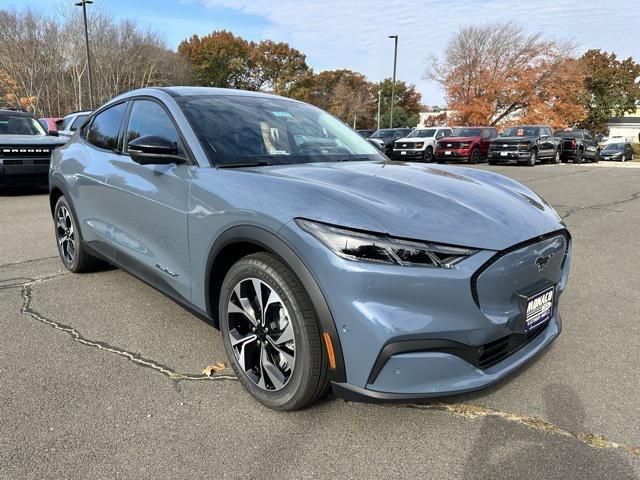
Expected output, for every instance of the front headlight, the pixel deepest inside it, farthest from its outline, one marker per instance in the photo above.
(523, 147)
(464, 145)
(377, 248)
(418, 145)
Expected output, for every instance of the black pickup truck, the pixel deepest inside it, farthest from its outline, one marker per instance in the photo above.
(577, 145)
(25, 149)
(525, 145)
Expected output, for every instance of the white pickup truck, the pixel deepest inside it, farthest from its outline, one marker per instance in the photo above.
(420, 144)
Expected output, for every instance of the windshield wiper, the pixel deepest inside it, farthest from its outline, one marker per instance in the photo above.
(261, 163)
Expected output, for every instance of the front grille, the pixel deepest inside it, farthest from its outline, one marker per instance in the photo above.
(496, 351)
(13, 162)
(42, 161)
(450, 144)
(26, 151)
(504, 147)
(405, 146)
(518, 246)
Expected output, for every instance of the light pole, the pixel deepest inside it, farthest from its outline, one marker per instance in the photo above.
(393, 82)
(379, 103)
(83, 4)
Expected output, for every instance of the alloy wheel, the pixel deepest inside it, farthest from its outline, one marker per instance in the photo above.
(261, 334)
(66, 234)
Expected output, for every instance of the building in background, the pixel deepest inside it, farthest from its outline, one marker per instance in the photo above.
(627, 126)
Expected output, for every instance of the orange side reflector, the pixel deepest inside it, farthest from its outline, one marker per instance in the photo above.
(332, 355)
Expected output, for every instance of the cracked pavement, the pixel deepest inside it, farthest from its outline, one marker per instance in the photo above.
(101, 376)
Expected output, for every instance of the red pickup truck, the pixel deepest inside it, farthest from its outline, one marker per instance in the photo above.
(470, 144)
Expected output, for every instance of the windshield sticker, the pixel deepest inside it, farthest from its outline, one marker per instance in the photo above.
(520, 132)
(281, 114)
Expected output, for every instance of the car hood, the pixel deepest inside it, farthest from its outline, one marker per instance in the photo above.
(458, 139)
(513, 139)
(446, 204)
(414, 139)
(30, 140)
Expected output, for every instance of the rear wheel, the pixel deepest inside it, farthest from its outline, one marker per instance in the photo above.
(578, 157)
(271, 335)
(72, 252)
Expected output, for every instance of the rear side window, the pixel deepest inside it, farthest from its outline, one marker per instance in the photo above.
(66, 121)
(105, 127)
(149, 118)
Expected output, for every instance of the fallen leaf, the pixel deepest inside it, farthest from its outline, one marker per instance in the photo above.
(211, 369)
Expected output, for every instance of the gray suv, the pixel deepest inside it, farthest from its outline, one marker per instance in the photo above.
(322, 262)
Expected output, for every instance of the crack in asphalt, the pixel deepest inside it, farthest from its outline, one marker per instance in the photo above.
(471, 412)
(571, 211)
(26, 309)
(548, 177)
(22, 262)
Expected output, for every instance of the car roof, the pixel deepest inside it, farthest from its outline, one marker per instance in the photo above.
(18, 113)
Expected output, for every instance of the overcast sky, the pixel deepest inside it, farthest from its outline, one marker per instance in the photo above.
(353, 34)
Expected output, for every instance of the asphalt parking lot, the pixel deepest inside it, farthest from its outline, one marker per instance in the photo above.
(101, 376)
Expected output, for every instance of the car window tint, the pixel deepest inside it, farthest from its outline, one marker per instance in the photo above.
(77, 122)
(149, 118)
(105, 127)
(66, 121)
(485, 134)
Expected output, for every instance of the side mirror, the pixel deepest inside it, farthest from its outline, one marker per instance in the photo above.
(544, 136)
(154, 150)
(54, 133)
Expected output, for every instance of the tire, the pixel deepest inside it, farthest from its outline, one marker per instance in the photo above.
(72, 253)
(556, 157)
(428, 155)
(579, 157)
(492, 162)
(623, 158)
(533, 158)
(475, 156)
(289, 314)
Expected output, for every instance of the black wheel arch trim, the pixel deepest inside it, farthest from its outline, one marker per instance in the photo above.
(271, 243)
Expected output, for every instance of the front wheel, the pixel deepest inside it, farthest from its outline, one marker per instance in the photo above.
(475, 156)
(556, 157)
(271, 335)
(428, 155)
(578, 157)
(533, 158)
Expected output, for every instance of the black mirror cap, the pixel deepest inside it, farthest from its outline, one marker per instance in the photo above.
(154, 150)
(54, 133)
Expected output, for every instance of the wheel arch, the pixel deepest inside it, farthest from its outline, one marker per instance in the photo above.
(241, 240)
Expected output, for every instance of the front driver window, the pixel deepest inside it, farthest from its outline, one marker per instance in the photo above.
(105, 127)
(149, 118)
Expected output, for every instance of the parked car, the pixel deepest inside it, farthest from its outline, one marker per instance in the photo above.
(51, 124)
(469, 144)
(620, 151)
(577, 145)
(25, 149)
(420, 144)
(525, 145)
(72, 122)
(322, 262)
(365, 133)
(384, 138)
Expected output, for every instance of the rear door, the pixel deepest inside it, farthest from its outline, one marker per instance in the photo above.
(485, 139)
(590, 145)
(151, 203)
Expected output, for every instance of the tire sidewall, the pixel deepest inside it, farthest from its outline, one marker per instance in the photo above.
(244, 269)
(72, 266)
(428, 155)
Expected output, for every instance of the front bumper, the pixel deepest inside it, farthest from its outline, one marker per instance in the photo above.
(460, 154)
(449, 315)
(509, 156)
(26, 172)
(399, 154)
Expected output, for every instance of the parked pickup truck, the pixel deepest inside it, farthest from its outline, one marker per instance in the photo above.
(420, 144)
(470, 144)
(577, 145)
(525, 145)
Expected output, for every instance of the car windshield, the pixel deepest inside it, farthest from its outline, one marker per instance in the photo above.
(467, 132)
(422, 133)
(568, 133)
(613, 146)
(522, 132)
(383, 133)
(20, 125)
(249, 130)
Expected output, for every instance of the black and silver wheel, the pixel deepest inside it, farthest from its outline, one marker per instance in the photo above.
(72, 253)
(428, 155)
(271, 335)
(578, 157)
(533, 158)
(475, 156)
(556, 157)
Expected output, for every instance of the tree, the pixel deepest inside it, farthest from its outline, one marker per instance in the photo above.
(497, 73)
(613, 87)
(219, 59)
(407, 103)
(277, 67)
